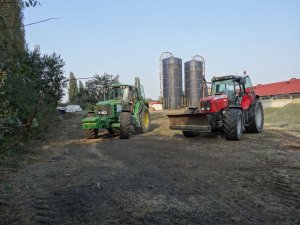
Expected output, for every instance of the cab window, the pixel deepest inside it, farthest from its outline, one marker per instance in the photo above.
(248, 82)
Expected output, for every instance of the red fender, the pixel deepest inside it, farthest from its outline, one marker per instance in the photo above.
(246, 102)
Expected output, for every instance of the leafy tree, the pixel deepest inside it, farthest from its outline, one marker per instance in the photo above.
(82, 97)
(12, 35)
(73, 89)
(33, 89)
(31, 3)
(94, 86)
(30, 84)
(12, 41)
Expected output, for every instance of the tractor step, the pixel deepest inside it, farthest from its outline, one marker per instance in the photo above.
(190, 122)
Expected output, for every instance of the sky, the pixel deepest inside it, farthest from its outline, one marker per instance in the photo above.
(126, 37)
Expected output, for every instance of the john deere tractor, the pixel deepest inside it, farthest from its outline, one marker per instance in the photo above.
(124, 106)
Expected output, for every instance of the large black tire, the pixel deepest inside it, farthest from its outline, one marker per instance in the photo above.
(233, 124)
(125, 125)
(256, 118)
(212, 122)
(189, 134)
(91, 133)
(144, 121)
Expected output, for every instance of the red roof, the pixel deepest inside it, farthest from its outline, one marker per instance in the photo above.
(291, 86)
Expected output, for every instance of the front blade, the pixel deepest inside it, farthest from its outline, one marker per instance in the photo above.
(189, 122)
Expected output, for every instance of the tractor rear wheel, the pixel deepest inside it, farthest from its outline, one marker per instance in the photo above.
(91, 133)
(256, 118)
(144, 121)
(125, 125)
(233, 124)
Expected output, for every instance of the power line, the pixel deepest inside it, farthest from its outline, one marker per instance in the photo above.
(41, 21)
(29, 24)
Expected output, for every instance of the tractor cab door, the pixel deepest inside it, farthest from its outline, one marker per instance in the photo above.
(126, 99)
(226, 87)
(239, 92)
(249, 88)
(248, 83)
(249, 94)
(133, 95)
(142, 92)
(130, 97)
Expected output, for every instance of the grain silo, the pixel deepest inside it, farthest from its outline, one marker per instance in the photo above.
(171, 81)
(195, 88)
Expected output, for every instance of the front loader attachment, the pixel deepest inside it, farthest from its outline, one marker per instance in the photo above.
(190, 122)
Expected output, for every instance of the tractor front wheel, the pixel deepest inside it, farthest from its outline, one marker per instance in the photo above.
(91, 133)
(256, 118)
(125, 125)
(144, 121)
(233, 124)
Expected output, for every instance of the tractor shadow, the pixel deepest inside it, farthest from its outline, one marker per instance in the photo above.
(106, 135)
(206, 135)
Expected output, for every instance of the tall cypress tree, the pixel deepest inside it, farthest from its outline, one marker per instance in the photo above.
(12, 40)
(80, 88)
(73, 89)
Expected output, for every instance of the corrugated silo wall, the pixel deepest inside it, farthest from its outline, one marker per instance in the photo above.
(172, 83)
(193, 76)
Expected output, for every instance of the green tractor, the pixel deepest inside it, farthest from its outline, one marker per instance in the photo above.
(123, 106)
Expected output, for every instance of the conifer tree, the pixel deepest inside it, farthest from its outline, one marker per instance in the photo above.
(73, 89)
(80, 88)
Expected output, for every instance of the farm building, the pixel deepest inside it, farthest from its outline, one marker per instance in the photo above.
(280, 90)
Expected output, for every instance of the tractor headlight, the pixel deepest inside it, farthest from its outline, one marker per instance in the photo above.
(119, 108)
(102, 112)
(205, 105)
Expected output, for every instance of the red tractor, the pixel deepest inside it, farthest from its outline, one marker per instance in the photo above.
(232, 108)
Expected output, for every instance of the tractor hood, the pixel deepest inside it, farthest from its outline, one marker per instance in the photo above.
(214, 97)
(214, 103)
(109, 102)
(109, 108)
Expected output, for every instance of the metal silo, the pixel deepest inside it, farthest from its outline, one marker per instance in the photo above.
(194, 80)
(171, 82)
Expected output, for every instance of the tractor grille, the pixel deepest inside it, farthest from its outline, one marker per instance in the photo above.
(102, 108)
(206, 105)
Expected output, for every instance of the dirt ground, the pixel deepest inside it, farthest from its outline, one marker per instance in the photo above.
(155, 178)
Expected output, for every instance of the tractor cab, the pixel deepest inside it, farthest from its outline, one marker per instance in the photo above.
(114, 92)
(232, 86)
(238, 89)
(127, 95)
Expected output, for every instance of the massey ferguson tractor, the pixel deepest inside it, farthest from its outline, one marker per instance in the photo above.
(232, 108)
(124, 106)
